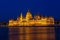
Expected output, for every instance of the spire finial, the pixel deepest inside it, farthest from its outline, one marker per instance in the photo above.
(21, 14)
(28, 10)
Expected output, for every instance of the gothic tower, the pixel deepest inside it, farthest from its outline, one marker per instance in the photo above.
(21, 17)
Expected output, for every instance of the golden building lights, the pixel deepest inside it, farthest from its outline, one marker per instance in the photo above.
(31, 21)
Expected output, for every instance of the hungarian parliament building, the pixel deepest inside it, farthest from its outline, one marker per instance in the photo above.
(28, 20)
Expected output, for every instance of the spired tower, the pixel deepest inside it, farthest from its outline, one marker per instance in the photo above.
(21, 17)
(19, 20)
(28, 16)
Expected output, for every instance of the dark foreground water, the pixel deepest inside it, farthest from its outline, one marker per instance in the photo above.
(4, 32)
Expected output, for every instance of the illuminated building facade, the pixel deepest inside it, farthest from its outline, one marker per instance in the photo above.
(31, 21)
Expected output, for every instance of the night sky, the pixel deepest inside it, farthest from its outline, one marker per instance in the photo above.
(10, 9)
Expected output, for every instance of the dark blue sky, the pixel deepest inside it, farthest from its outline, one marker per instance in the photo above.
(12, 8)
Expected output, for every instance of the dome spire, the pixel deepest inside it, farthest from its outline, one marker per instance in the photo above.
(28, 10)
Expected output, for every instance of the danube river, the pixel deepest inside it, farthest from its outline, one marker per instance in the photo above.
(30, 33)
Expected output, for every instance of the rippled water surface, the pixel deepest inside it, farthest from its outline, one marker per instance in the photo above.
(29, 33)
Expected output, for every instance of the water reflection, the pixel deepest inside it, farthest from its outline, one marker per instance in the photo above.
(29, 33)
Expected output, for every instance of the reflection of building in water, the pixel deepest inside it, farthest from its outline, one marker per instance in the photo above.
(13, 33)
(29, 20)
(31, 33)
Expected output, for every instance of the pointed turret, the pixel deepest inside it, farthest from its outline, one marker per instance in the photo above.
(21, 17)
